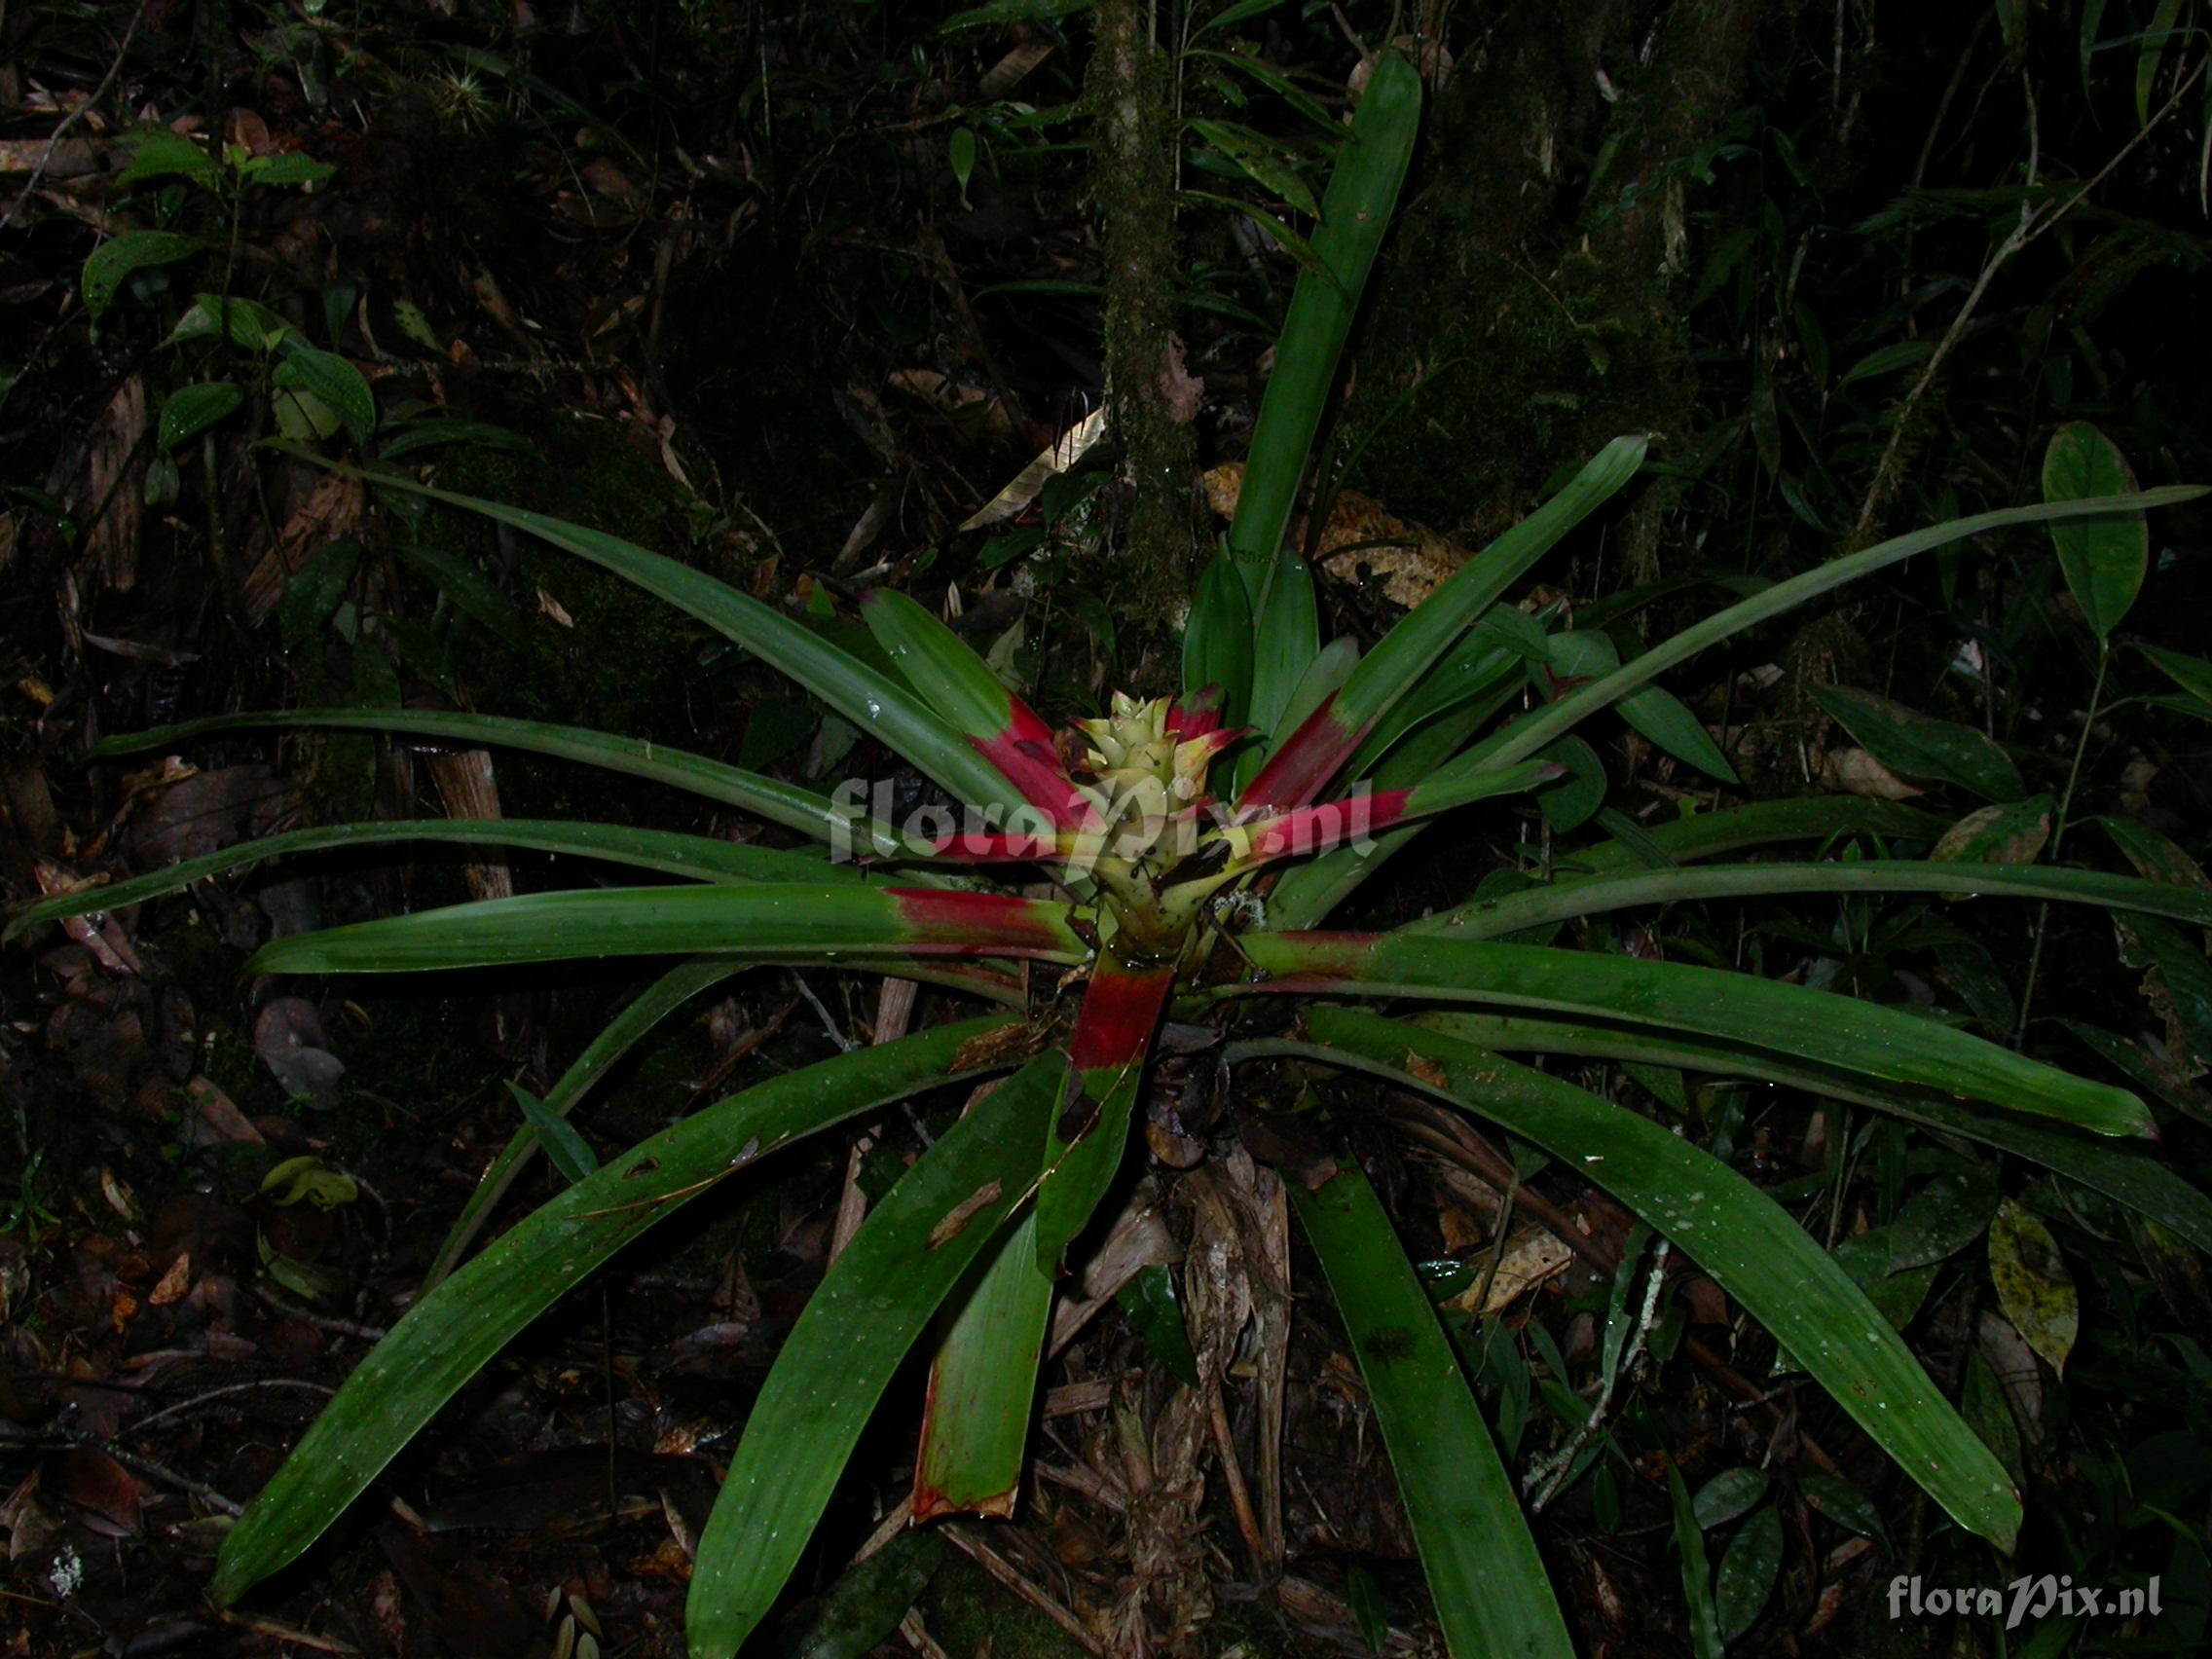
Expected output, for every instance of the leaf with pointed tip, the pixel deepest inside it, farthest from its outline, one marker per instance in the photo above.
(2104, 559)
(780, 920)
(1854, 1036)
(1753, 1250)
(961, 687)
(1217, 640)
(665, 852)
(1303, 763)
(1355, 212)
(449, 1336)
(880, 1293)
(643, 1012)
(787, 805)
(2123, 1172)
(865, 696)
(1484, 1573)
(1594, 895)
(1526, 736)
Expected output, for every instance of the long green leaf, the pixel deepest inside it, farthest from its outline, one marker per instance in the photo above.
(778, 920)
(880, 1294)
(2123, 1172)
(1749, 1244)
(644, 1011)
(1860, 1037)
(1484, 1573)
(1410, 649)
(663, 851)
(1590, 895)
(865, 696)
(983, 1385)
(453, 1333)
(1355, 212)
(787, 805)
(1525, 737)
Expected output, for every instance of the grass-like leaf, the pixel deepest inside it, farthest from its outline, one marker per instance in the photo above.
(2123, 1172)
(784, 921)
(868, 698)
(879, 1296)
(1484, 1573)
(445, 1339)
(1593, 895)
(1751, 1246)
(788, 804)
(1854, 1036)
(664, 852)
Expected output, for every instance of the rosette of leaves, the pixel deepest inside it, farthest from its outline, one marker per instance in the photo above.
(1285, 769)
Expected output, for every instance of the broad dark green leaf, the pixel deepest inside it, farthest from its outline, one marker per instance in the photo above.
(1483, 1568)
(453, 1333)
(1728, 1495)
(1753, 1250)
(1947, 1213)
(2104, 559)
(1217, 640)
(330, 378)
(1915, 744)
(879, 1296)
(1749, 1566)
(862, 1609)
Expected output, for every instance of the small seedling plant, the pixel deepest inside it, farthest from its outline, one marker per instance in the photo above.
(1196, 845)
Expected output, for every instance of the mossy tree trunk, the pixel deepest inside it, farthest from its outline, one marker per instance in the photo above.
(1531, 309)
(1133, 190)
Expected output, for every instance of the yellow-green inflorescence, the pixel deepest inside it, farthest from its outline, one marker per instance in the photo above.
(1154, 851)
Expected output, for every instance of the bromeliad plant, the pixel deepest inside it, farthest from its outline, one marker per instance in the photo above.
(1195, 843)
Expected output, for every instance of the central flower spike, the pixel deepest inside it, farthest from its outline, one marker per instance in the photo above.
(1148, 772)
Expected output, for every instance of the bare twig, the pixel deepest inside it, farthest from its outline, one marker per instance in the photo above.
(76, 115)
(2034, 223)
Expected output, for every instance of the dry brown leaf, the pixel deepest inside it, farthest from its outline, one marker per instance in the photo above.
(118, 477)
(1859, 773)
(332, 510)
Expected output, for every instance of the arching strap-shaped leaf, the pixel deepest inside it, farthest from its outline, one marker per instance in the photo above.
(630, 1026)
(453, 1333)
(662, 851)
(1525, 737)
(880, 1294)
(1484, 1573)
(1491, 918)
(961, 687)
(1751, 1246)
(787, 805)
(1759, 824)
(2123, 1172)
(784, 921)
(1305, 763)
(868, 698)
(1817, 1025)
